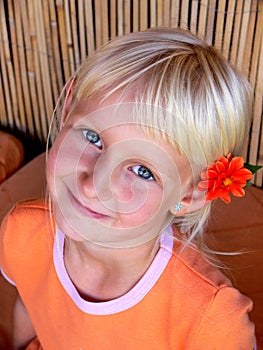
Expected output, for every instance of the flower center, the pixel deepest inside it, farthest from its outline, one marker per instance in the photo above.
(227, 181)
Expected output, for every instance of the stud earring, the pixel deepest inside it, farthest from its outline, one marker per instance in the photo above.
(178, 207)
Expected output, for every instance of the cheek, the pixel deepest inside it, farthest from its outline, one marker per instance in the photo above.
(50, 169)
(63, 158)
(132, 192)
(59, 163)
(144, 204)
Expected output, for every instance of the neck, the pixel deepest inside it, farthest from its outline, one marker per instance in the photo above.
(119, 258)
(102, 273)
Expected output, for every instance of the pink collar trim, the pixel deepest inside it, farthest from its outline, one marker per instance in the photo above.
(130, 299)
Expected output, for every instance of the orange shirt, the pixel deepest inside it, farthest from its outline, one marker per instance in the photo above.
(183, 303)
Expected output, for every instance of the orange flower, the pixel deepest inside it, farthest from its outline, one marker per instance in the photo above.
(227, 175)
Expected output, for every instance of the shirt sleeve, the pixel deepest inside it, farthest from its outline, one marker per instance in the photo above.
(226, 324)
(4, 268)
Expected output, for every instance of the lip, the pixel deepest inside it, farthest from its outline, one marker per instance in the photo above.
(84, 209)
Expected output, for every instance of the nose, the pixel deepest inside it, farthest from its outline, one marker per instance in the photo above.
(86, 184)
(95, 178)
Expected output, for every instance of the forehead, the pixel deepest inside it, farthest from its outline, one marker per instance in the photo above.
(120, 113)
(120, 118)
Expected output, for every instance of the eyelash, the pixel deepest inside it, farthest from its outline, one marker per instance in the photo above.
(92, 137)
(142, 169)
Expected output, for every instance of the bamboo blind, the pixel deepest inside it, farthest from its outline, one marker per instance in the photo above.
(43, 41)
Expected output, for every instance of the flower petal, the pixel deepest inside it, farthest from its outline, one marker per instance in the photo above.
(221, 167)
(203, 185)
(204, 175)
(212, 174)
(240, 183)
(243, 173)
(236, 190)
(226, 161)
(225, 197)
(235, 164)
(211, 196)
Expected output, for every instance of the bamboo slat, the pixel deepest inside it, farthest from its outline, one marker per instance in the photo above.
(159, 13)
(236, 32)
(153, 13)
(143, 14)
(122, 26)
(6, 90)
(44, 64)
(203, 18)
(247, 57)
(11, 78)
(50, 51)
(5, 59)
(89, 26)
(253, 76)
(249, 39)
(21, 68)
(55, 43)
(41, 122)
(126, 17)
(242, 40)
(256, 78)
(259, 109)
(256, 148)
(194, 14)
(113, 21)
(69, 40)
(3, 103)
(135, 17)
(3, 111)
(219, 30)
(81, 34)
(228, 27)
(175, 7)
(98, 29)
(211, 21)
(243, 34)
(16, 67)
(73, 16)
(104, 22)
(34, 123)
(166, 13)
(63, 37)
(184, 14)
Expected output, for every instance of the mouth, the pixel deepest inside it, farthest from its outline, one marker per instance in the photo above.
(84, 209)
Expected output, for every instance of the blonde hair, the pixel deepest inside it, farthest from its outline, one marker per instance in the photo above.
(189, 91)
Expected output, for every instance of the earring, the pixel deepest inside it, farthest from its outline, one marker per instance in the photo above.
(178, 207)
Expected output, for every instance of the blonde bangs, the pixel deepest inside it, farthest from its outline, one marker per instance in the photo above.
(184, 89)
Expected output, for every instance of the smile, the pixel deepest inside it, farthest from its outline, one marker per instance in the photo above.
(84, 209)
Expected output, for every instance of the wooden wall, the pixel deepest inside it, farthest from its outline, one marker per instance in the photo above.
(43, 41)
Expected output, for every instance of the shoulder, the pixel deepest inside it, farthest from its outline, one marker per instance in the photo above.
(25, 230)
(220, 311)
(196, 266)
(25, 215)
(226, 321)
(28, 206)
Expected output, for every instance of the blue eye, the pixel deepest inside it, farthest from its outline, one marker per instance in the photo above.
(142, 172)
(92, 137)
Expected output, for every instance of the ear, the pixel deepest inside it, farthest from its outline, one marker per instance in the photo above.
(192, 201)
(69, 87)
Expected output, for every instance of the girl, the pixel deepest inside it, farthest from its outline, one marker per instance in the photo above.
(115, 261)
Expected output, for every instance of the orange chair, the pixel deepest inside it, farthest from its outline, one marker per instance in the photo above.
(11, 155)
